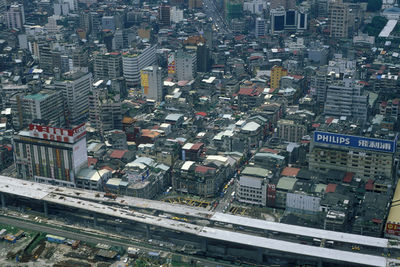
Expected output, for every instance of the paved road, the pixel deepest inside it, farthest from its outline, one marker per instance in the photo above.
(226, 199)
(211, 10)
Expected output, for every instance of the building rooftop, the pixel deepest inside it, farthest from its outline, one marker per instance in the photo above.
(256, 171)
(286, 183)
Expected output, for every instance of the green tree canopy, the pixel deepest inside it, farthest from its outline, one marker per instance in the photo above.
(374, 5)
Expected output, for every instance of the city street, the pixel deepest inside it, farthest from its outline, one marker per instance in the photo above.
(225, 201)
(211, 11)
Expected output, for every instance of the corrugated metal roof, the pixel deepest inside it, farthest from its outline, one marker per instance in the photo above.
(286, 183)
(186, 165)
(256, 171)
(290, 171)
(251, 126)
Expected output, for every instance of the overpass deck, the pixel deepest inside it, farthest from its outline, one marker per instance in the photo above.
(87, 200)
(301, 230)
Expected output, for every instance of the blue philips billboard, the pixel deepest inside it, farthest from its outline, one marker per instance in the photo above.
(355, 142)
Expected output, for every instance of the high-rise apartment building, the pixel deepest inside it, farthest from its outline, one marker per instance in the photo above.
(260, 27)
(319, 83)
(105, 110)
(80, 58)
(75, 87)
(185, 65)
(50, 155)
(345, 98)
(85, 21)
(338, 17)
(151, 82)
(291, 131)
(15, 16)
(277, 72)
(135, 60)
(45, 105)
(107, 65)
(165, 15)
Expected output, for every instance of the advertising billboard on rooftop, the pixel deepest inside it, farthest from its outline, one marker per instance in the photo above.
(352, 141)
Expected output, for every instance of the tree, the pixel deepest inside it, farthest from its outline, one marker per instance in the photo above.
(376, 26)
(374, 5)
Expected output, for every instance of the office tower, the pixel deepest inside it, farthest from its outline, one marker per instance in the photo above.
(73, 4)
(302, 19)
(277, 20)
(51, 26)
(85, 19)
(345, 98)
(50, 155)
(75, 86)
(45, 105)
(286, 4)
(291, 19)
(135, 60)
(365, 158)
(203, 58)
(15, 16)
(176, 15)
(255, 6)
(260, 27)
(338, 17)
(277, 72)
(108, 37)
(61, 8)
(95, 22)
(107, 65)
(322, 8)
(118, 40)
(195, 4)
(233, 9)
(165, 15)
(108, 23)
(152, 83)
(185, 65)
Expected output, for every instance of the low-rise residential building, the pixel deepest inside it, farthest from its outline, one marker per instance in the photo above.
(252, 185)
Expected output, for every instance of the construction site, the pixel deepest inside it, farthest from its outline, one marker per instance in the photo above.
(19, 247)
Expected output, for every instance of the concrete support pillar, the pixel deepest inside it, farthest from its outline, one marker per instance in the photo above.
(95, 219)
(45, 209)
(204, 245)
(3, 201)
(319, 263)
(260, 252)
(148, 231)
